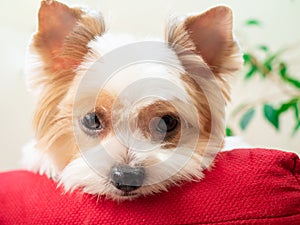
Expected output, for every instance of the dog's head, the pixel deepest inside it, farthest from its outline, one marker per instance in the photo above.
(124, 118)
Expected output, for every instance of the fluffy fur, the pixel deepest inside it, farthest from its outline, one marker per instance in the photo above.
(200, 53)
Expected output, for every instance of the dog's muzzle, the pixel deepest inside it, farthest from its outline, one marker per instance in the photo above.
(127, 178)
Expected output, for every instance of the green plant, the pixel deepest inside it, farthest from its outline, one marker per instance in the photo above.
(269, 65)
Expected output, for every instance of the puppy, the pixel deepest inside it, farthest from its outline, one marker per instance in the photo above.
(122, 117)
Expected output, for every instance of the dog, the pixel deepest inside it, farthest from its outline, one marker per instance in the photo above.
(122, 117)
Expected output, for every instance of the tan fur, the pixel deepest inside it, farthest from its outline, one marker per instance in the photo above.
(181, 36)
(104, 108)
(62, 47)
(206, 62)
(147, 126)
(62, 143)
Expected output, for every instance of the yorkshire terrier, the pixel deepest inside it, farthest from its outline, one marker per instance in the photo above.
(121, 117)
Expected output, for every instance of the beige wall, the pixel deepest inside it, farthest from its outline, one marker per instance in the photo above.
(142, 17)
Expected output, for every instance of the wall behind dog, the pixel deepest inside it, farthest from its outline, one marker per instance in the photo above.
(18, 22)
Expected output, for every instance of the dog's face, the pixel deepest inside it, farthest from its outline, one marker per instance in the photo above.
(123, 118)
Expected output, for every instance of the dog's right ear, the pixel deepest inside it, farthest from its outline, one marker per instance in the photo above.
(63, 34)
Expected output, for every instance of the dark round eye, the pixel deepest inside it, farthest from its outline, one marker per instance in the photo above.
(91, 122)
(167, 124)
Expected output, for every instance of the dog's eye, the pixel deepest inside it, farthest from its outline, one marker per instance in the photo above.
(167, 124)
(91, 122)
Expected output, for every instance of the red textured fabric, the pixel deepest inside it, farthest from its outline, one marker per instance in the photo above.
(249, 186)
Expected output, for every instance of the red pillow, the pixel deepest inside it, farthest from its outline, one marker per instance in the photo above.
(252, 186)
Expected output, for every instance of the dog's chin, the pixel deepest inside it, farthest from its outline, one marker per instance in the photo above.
(129, 194)
(123, 196)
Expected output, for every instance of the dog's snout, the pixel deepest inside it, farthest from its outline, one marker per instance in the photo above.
(127, 178)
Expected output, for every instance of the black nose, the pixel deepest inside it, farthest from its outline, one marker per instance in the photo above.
(127, 178)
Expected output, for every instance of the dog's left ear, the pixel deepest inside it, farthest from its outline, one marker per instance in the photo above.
(211, 37)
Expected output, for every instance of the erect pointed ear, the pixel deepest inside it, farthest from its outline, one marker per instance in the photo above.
(64, 32)
(212, 38)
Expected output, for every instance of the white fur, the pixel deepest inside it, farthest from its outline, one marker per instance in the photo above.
(37, 161)
(91, 171)
(167, 66)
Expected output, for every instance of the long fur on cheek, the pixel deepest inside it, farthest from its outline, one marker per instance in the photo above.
(36, 161)
(90, 173)
(79, 175)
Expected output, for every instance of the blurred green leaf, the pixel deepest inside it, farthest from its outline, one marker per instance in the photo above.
(253, 22)
(297, 109)
(229, 132)
(246, 118)
(287, 105)
(294, 82)
(271, 115)
(285, 77)
(268, 63)
(284, 107)
(248, 58)
(297, 127)
(282, 69)
(264, 48)
(251, 72)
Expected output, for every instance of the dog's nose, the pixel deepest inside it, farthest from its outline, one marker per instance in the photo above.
(127, 178)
